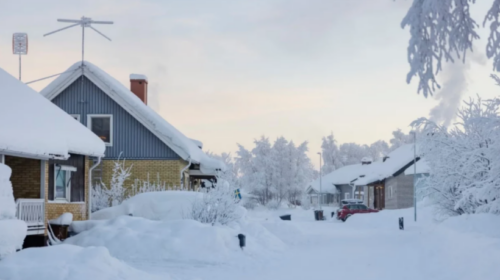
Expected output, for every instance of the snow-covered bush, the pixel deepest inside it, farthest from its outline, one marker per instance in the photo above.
(464, 161)
(217, 206)
(12, 230)
(273, 205)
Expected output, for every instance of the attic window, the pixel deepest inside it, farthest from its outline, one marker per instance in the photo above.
(102, 126)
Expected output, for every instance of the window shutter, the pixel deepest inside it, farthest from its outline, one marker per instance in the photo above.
(51, 181)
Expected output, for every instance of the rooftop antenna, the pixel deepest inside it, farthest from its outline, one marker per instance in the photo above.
(83, 22)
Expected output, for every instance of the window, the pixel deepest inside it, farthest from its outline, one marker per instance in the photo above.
(62, 182)
(347, 196)
(76, 117)
(2, 159)
(362, 207)
(102, 126)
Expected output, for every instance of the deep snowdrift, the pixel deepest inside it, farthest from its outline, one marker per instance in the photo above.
(67, 262)
(165, 206)
(139, 239)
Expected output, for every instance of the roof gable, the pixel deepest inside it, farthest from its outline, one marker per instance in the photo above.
(168, 134)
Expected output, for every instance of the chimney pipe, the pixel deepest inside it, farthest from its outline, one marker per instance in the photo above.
(139, 86)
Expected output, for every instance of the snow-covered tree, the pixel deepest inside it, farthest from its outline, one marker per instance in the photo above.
(330, 153)
(464, 162)
(278, 172)
(399, 138)
(351, 153)
(443, 31)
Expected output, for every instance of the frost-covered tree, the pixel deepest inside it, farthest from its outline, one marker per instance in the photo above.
(443, 31)
(399, 138)
(352, 153)
(278, 172)
(330, 154)
(464, 162)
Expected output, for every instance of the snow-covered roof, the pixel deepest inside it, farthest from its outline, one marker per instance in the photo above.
(395, 161)
(342, 176)
(167, 133)
(198, 143)
(138, 77)
(32, 126)
(422, 168)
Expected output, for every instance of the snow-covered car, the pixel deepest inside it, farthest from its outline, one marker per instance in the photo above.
(348, 210)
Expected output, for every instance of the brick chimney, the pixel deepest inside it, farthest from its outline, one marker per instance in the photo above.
(139, 86)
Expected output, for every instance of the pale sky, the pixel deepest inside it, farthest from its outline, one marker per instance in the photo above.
(227, 72)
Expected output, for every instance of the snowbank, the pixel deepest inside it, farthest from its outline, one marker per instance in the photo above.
(40, 128)
(12, 234)
(67, 262)
(480, 225)
(138, 239)
(166, 206)
(12, 231)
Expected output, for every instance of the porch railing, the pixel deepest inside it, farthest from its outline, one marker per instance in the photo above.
(32, 212)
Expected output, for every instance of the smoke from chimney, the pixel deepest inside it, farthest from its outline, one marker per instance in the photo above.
(453, 89)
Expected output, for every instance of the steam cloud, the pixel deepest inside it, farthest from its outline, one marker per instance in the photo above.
(454, 87)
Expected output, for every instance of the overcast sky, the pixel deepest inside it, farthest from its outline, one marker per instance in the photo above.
(227, 72)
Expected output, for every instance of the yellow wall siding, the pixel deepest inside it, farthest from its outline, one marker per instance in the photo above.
(166, 171)
(25, 176)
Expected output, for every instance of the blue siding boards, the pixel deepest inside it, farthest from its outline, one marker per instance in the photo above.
(83, 97)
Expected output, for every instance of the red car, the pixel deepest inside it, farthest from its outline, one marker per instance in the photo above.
(348, 210)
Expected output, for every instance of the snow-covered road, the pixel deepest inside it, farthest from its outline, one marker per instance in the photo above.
(359, 250)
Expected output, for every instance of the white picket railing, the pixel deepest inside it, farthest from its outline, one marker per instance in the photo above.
(32, 211)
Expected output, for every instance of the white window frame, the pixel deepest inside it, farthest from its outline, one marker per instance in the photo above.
(64, 168)
(2, 158)
(89, 125)
(347, 195)
(76, 117)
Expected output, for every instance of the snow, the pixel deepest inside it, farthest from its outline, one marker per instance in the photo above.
(7, 203)
(396, 160)
(12, 231)
(198, 143)
(167, 205)
(135, 239)
(33, 126)
(342, 176)
(186, 149)
(422, 168)
(64, 220)
(138, 77)
(68, 262)
(366, 246)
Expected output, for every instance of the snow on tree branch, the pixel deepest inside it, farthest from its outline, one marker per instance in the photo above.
(440, 30)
